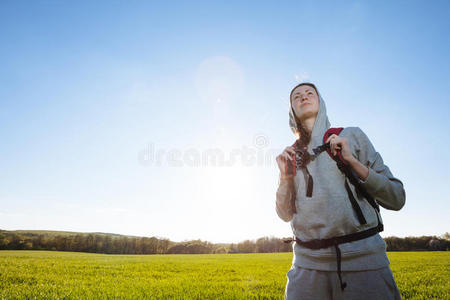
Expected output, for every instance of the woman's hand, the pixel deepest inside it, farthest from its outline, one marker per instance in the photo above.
(284, 158)
(338, 143)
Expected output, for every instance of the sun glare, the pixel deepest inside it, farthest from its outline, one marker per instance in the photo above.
(225, 195)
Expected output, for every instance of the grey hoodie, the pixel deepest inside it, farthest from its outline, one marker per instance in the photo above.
(329, 213)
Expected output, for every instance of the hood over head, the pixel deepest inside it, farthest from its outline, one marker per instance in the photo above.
(321, 124)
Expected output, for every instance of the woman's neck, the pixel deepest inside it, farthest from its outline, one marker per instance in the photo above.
(308, 124)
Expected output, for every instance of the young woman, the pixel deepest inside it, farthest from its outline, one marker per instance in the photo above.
(338, 252)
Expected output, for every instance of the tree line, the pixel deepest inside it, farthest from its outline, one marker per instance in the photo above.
(119, 244)
(92, 242)
(423, 243)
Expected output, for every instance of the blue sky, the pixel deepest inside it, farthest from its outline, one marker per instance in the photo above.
(109, 108)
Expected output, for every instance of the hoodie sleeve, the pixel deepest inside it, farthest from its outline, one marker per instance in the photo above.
(380, 183)
(283, 206)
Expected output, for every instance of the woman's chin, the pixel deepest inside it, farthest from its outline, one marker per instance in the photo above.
(307, 114)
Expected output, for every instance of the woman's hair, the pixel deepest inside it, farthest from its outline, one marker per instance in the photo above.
(302, 144)
(302, 133)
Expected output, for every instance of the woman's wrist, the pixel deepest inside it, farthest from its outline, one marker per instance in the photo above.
(359, 168)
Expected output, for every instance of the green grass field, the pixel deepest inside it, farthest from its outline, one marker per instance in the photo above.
(59, 275)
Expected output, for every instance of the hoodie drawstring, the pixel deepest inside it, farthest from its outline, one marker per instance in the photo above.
(338, 258)
(309, 189)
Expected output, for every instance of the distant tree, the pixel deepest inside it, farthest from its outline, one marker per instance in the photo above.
(178, 249)
(220, 250)
(116, 245)
(16, 243)
(89, 240)
(246, 246)
(162, 246)
(39, 242)
(28, 244)
(434, 244)
(233, 248)
(3, 242)
(263, 245)
(107, 245)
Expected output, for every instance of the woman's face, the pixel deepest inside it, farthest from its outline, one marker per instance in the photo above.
(305, 102)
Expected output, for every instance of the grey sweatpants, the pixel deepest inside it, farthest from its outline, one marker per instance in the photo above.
(305, 284)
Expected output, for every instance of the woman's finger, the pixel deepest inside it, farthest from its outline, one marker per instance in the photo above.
(290, 150)
(285, 156)
(333, 147)
(288, 156)
(337, 147)
(331, 137)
